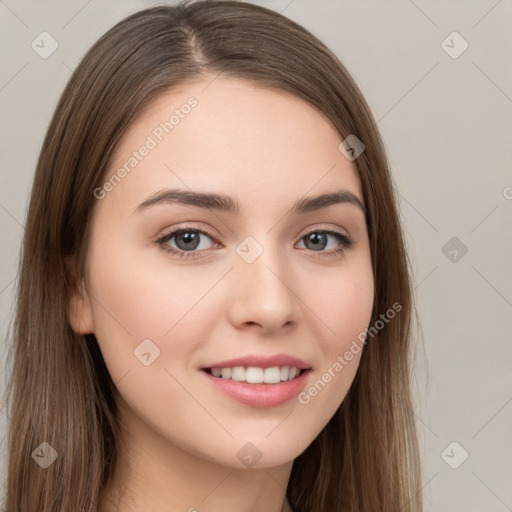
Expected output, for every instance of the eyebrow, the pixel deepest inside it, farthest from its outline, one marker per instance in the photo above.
(224, 203)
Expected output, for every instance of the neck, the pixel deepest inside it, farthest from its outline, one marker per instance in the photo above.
(154, 474)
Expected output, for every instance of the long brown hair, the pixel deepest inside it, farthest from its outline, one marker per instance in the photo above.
(60, 391)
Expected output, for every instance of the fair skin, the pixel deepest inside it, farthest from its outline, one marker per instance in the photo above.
(266, 149)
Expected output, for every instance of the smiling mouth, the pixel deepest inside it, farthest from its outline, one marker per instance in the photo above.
(257, 375)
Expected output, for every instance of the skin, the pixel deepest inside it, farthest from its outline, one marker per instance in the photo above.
(266, 149)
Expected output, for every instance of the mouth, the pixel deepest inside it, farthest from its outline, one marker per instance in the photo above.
(257, 375)
(256, 386)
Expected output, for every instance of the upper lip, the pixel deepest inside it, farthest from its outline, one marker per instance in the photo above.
(261, 361)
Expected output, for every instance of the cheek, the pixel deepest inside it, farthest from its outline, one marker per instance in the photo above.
(344, 305)
(136, 298)
(345, 302)
(352, 312)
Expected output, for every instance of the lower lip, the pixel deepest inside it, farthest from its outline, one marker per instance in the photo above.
(260, 395)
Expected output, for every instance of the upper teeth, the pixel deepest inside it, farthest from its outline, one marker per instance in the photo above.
(255, 375)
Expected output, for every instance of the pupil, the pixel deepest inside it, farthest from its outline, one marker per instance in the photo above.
(189, 238)
(315, 238)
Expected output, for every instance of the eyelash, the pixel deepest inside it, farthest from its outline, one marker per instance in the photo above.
(343, 239)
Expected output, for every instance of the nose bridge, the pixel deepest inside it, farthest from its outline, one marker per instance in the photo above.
(264, 293)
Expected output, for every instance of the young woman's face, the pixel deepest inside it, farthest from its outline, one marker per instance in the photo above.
(267, 279)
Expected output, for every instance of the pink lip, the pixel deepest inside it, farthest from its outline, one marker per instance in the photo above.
(259, 395)
(260, 361)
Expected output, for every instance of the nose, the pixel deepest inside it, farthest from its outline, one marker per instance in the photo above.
(264, 293)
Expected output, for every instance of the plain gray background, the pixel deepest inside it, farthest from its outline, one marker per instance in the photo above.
(446, 119)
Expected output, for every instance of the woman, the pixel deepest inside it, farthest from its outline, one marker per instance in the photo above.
(265, 369)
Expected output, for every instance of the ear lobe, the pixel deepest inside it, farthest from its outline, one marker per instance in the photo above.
(79, 304)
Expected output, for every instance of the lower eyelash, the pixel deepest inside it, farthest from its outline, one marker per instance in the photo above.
(345, 242)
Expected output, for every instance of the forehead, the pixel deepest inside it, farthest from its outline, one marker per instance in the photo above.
(233, 136)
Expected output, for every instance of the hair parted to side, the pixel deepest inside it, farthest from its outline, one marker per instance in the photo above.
(60, 391)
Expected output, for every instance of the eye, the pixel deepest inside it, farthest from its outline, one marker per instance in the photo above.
(187, 241)
(318, 240)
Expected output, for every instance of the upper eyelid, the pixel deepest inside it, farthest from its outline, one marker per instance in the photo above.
(178, 229)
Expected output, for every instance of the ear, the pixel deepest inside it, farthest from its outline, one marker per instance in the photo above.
(79, 305)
